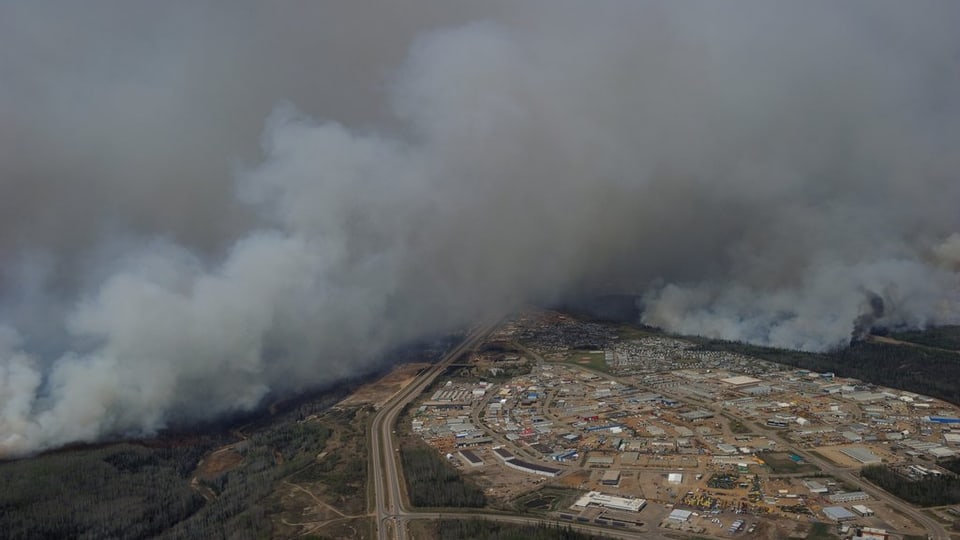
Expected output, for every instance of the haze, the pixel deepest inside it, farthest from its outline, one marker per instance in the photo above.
(202, 204)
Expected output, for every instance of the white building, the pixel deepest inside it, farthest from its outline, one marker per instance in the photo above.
(595, 498)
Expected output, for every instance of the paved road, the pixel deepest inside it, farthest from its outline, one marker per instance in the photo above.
(388, 483)
(392, 511)
(935, 530)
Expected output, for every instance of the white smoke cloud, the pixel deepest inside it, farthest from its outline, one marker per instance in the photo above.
(775, 177)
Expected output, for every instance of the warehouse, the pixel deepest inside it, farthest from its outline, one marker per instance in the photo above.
(611, 478)
(741, 381)
(696, 416)
(838, 513)
(862, 455)
(533, 468)
(815, 487)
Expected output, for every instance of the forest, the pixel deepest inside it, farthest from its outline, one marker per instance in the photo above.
(434, 483)
(927, 492)
(119, 491)
(941, 337)
(141, 490)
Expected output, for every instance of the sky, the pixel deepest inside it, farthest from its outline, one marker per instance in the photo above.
(202, 205)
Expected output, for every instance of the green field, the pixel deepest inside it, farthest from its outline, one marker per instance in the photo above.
(588, 359)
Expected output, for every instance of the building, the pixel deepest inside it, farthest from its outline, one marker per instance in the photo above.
(679, 516)
(852, 436)
(838, 513)
(696, 416)
(741, 381)
(473, 441)
(862, 455)
(532, 468)
(941, 452)
(470, 458)
(848, 496)
(759, 390)
(610, 478)
(815, 487)
(862, 510)
(869, 533)
(595, 498)
(943, 420)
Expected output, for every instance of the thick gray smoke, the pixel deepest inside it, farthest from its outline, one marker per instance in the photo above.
(777, 175)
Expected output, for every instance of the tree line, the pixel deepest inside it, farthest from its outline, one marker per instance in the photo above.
(480, 529)
(926, 371)
(935, 491)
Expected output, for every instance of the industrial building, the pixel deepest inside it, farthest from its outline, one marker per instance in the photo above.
(741, 381)
(470, 458)
(838, 513)
(862, 455)
(943, 420)
(815, 487)
(849, 496)
(595, 498)
(695, 416)
(611, 478)
(862, 510)
(533, 468)
(869, 533)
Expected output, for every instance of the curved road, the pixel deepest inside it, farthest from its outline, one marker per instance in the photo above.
(392, 511)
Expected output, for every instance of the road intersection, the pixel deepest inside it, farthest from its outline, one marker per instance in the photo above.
(392, 511)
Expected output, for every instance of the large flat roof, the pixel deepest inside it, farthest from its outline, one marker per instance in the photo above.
(609, 476)
(596, 498)
(861, 454)
(740, 380)
(838, 513)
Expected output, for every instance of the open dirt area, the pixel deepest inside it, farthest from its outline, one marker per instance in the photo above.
(218, 463)
(378, 392)
(834, 454)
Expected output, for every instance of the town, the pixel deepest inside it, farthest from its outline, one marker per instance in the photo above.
(653, 432)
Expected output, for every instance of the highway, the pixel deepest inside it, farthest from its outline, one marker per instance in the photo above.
(392, 513)
(391, 510)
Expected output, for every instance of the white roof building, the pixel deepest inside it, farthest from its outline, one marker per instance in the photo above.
(595, 498)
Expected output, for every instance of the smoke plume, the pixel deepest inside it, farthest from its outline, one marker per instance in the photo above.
(201, 206)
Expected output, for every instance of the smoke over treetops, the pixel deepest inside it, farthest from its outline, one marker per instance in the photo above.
(199, 205)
